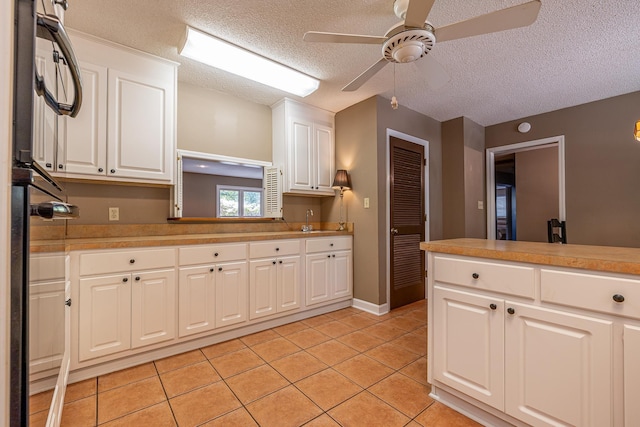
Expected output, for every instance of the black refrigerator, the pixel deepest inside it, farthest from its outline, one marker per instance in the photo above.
(35, 194)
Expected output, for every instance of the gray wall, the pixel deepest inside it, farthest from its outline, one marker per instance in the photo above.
(602, 166)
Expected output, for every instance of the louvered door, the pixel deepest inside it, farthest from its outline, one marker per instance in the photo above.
(407, 222)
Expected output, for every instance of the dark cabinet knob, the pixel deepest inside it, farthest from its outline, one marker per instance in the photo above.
(277, 249)
(48, 165)
(475, 275)
(113, 171)
(219, 268)
(618, 298)
(137, 278)
(493, 306)
(328, 256)
(280, 261)
(510, 310)
(132, 261)
(100, 170)
(68, 302)
(125, 279)
(331, 244)
(212, 269)
(334, 255)
(215, 254)
(274, 263)
(60, 166)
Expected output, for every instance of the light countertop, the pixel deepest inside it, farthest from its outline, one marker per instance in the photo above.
(73, 244)
(600, 258)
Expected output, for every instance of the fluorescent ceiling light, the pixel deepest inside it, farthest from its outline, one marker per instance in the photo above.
(220, 54)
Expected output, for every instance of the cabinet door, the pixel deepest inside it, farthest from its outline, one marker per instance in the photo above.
(231, 293)
(323, 159)
(558, 367)
(301, 168)
(263, 288)
(469, 343)
(631, 375)
(318, 277)
(289, 283)
(196, 300)
(46, 325)
(342, 274)
(140, 127)
(85, 138)
(104, 316)
(153, 299)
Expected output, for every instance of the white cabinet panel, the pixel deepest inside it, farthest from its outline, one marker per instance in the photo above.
(46, 325)
(153, 307)
(470, 342)
(631, 345)
(558, 367)
(324, 153)
(104, 316)
(289, 283)
(318, 273)
(231, 293)
(342, 274)
(301, 166)
(263, 291)
(196, 300)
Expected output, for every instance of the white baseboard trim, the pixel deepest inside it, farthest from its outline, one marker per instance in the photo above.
(369, 307)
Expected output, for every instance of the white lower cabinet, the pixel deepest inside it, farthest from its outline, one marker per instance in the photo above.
(536, 363)
(275, 277)
(231, 293)
(329, 269)
(152, 307)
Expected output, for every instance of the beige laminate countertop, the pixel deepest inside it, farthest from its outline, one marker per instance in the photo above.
(173, 240)
(600, 258)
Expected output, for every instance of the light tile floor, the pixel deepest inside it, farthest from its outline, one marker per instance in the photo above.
(345, 368)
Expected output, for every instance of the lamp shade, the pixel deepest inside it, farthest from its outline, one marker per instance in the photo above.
(636, 132)
(342, 180)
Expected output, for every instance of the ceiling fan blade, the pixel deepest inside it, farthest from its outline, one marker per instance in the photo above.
(437, 77)
(316, 36)
(417, 12)
(362, 78)
(505, 19)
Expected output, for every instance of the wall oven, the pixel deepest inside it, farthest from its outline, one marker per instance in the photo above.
(39, 277)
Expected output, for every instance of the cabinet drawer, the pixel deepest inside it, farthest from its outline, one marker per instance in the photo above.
(326, 244)
(46, 267)
(591, 291)
(192, 255)
(274, 248)
(504, 278)
(115, 261)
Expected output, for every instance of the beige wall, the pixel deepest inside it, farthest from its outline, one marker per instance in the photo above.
(213, 122)
(602, 172)
(536, 192)
(361, 145)
(463, 179)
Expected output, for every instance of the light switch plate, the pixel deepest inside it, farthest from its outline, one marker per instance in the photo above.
(480, 204)
(366, 203)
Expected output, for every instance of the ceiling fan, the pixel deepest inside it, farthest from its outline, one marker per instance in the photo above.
(414, 37)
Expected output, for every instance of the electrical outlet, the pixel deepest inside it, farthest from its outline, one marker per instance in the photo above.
(480, 204)
(114, 214)
(366, 203)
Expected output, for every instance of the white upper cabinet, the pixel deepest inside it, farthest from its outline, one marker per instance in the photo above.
(304, 148)
(125, 130)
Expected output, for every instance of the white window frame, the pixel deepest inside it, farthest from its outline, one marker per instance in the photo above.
(222, 187)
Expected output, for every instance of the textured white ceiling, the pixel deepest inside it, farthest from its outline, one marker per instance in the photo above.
(577, 51)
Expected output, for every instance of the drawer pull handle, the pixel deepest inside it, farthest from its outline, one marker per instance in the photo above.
(132, 261)
(475, 275)
(493, 306)
(277, 249)
(331, 244)
(511, 310)
(618, 298)
(215, 254)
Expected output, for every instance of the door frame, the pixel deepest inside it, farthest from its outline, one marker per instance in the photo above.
(554, 141)
(425, 144)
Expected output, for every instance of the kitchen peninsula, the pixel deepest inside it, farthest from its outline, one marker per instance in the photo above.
(524, 333)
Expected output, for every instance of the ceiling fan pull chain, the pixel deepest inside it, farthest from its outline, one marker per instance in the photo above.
(394, 101)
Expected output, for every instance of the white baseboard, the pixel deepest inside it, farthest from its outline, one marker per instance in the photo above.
(369, 307)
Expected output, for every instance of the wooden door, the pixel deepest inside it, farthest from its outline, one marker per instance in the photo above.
(557, 367)
(469, 338)
(407, 214)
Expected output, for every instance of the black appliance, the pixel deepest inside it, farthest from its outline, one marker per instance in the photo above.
(34, 193)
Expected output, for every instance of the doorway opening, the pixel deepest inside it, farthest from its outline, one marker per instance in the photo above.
(525, 189)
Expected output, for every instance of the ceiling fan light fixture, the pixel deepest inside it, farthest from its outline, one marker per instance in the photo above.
(220, 54)
(408, 45)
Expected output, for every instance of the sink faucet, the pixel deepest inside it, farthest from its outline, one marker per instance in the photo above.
(308, 227)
